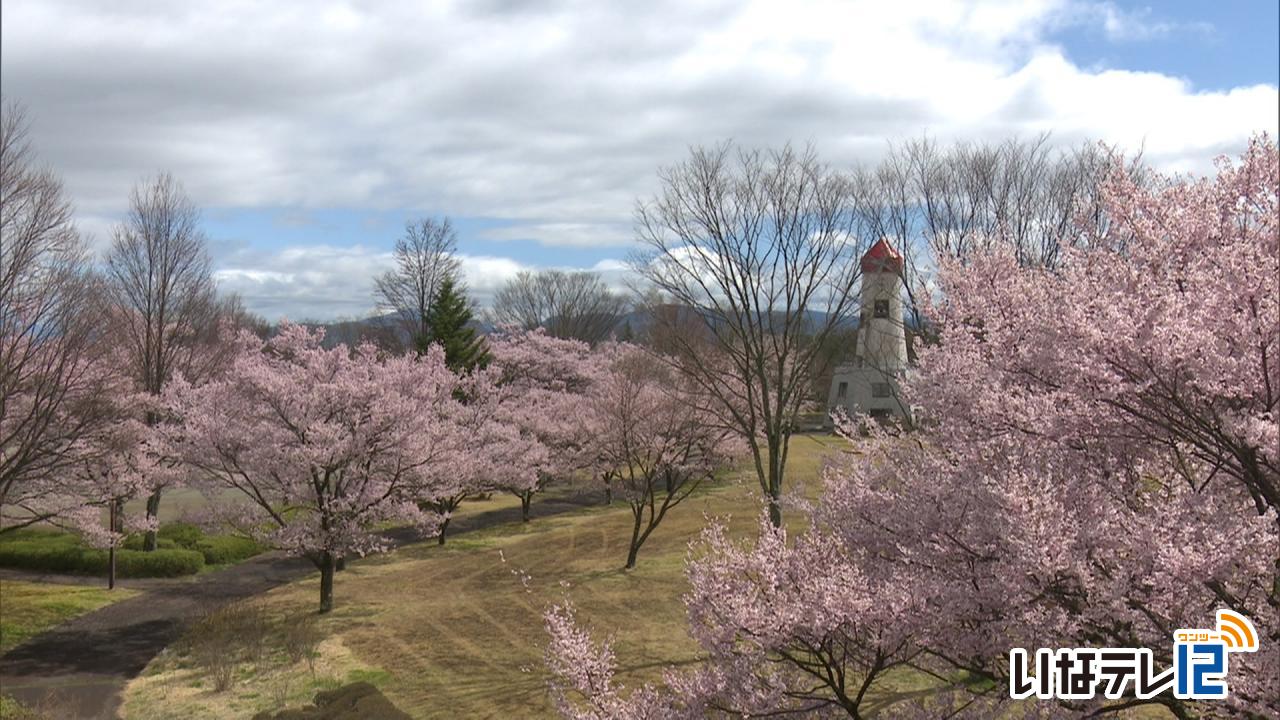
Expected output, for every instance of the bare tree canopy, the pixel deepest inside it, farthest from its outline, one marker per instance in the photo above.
(753, 248)
(571, 305)
(933, 202)
(425, 256)
(162, 279)
(237, 316)
(51, 387)
(166, 310)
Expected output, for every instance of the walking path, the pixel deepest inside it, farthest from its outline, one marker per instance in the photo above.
(84, 664)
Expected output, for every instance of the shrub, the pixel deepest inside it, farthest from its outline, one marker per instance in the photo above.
(44, 556)
(185, 535)
(68, 556)
(158, 563)
(223, 638)
(35, 533)
(221, 549)
(217, 549)
(301, 638)
(134, 542)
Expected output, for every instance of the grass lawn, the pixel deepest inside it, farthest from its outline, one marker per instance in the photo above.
(28, 608)
(457, 631)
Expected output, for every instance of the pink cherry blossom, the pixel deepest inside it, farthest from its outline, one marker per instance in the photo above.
(1096, 466)
(319, 446)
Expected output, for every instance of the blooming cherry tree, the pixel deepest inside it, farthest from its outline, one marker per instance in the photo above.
(541, 385)
(486, 451)
(649, 439)
(319, 445)
(1097, 467)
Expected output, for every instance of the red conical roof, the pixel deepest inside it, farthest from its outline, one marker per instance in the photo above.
(882, 258)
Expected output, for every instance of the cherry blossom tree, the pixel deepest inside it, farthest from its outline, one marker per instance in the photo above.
(542, 382)
(487, 451)
(1097, 468)
(649, 439)
(117, 466)
(319, 445)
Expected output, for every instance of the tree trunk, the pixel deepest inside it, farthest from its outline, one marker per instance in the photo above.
(153, 509)
(327, 566)
(443, 526)
(635, 544)
(341, 564)
(775, 481)
(526, 499)
(111, 559)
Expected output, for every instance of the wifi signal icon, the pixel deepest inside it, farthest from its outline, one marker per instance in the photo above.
(1237, 632)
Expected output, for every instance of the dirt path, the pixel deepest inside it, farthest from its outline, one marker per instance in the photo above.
(82, 666)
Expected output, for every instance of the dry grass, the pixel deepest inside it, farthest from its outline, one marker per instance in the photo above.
(457, 631)
(173, 686)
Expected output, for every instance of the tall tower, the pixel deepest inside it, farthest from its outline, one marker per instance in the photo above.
(882, 337)
(869, 384)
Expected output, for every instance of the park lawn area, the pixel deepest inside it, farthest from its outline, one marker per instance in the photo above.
(29, 608)
(456, 631)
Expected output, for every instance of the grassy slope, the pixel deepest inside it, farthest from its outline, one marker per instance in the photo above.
(28, 608)
(456, 632)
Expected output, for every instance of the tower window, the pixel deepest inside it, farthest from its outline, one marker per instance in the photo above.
(881, 390)
(842, 390)
(882, 308)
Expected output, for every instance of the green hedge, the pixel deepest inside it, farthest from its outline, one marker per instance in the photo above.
(216, 549)
(181, 534)
(157, 563)
(221, 549)
(134, 542)
(68, 557)
(182, 549)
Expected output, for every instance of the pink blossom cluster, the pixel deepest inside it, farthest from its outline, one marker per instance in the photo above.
(541, 384)
(318, 448)
(1097, 465)
(317, 445)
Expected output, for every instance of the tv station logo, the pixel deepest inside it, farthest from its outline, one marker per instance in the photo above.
(1199, 672)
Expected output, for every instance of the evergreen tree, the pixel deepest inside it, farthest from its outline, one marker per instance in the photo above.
(447, 321)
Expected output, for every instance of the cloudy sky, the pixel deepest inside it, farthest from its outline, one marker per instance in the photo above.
(310, 131)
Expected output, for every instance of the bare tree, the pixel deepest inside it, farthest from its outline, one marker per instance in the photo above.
(161, 278)
(572, 305)
(52, 381)
(934, 203)
(239, 317)
(425, 256)
(755, 249)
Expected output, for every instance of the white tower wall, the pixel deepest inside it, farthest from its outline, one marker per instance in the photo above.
(882, 338)
(869, 385)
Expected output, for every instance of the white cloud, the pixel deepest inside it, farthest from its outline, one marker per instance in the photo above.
(322, 282)
(555, 115)
(568, 234)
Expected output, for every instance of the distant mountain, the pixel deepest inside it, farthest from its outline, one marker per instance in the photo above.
(387, 329)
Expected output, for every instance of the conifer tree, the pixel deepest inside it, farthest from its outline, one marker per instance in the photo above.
(447, 321)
